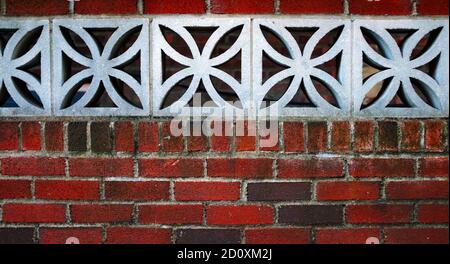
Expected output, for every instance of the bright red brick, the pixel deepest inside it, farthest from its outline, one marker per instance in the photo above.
(413, 190)
(54, 136)
(378, 214)
(114, 7)
(434, 167)
(30, 166)
(221, 139)
(170, 142)
(311, 7)
(245, 136)
(336, 191)
(346, 236)
(381, 167)
(148, 137)
(294, 140)
(9, 139)
(239, 215)
(240, 168)
(158, 167)
(270, 139)
(133, 235)
(101, 213)
(34, 213)
(220, 143)
(31, 135)
(311, 168)
(15, 189)
(174, 7)
(133, 190)
(242, 7)
(416, 235)
(171, 214)
(124, 136)
(364, 136)
(207, 191)
(380, 7)
(67, 190)
(411, 136)
(433, 213)
(432, 7)
(434, 136)
(60, 235)
(37, 7)
(197, 144)
(340, 137)
(277, 236)
(317, 137)
(101, 167)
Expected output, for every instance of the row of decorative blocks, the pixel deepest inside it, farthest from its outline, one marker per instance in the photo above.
(286, 67)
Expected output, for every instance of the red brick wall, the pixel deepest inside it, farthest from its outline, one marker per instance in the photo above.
(127, 181)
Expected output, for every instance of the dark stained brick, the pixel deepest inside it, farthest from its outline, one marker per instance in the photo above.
(311, 214)
(286, 191)
(16, 235)
(101, 137)
(208, 236)
(77, 136)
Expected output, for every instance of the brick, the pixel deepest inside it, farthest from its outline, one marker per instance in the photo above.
(54, 136)
(124, 136)
(133, 235)
(101, 167)
(148, 137)
(416, 235)
(310, 168)
(197, 144)
(364, 136)
(171, 143)
(434, 136)
(380, 7)
(317, 137)
(30, 166)
(60, 235)
(207, 191)
(137, 191)
(342, 191)
(67, 190)
(221, 140)
(208, 236)
(17, 236)
(31, 135)
(414, 190)
(411, 136)
(170, 167)
(340, 137)
(381, 167)
(37, 7)
(101, 213)
(220, 143)
(239, 215)
(277, 236)
(171, 214)
(279, 191)
(101, 137)
(310, 214)
(387, 136)
(240, 168)
(77, 136)
(346, 236)
(433, 213)
(246, 140)
(114, 7)
(378, 214)
(432, 7)
(10, 136)
(15, 189)
(294, 139)
(242, 7)
(34, 213)
(174, 7)
(433, 167)
(311, 7)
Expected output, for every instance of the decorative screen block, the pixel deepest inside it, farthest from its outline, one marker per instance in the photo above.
(24, 68)
(301, 66)
(400, 68)
(101, 67)
(200, 65)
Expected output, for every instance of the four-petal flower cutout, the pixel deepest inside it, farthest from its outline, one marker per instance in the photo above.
(302, 66)
(400, 68)
(24, 68)
(102, 67)
(201, 65)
